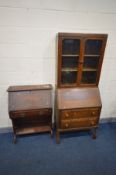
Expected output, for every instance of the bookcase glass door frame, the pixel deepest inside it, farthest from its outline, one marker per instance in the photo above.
(68, 61)
(91, 60)
(88, 51)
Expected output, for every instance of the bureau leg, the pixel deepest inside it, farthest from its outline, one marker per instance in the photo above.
(14, 139)
(51, 133)
(94, 133)
(57, 137)
(14, 130)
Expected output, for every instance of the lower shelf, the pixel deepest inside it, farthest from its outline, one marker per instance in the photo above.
(30, 130)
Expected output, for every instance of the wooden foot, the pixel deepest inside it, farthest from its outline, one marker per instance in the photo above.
(57, 137)
(14, 139)
(51, 133)
(94, 133)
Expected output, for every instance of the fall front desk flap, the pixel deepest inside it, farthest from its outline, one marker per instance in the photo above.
(68, 98)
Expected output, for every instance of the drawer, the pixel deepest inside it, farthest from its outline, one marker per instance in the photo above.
(77, 113)
(31, 114)
(94, 121)
(79, 122)
(65, 124)
(84, 122)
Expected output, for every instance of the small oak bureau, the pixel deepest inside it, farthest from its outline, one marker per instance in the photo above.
(30, 109)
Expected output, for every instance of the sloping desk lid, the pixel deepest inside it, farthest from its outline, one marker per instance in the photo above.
(29, 87)
(70, 98)
(30, 97)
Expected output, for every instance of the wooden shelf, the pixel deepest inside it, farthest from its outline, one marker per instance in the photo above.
(75, 69)
(89, 69)
(35, 129)
(70, 55)
(89, 55)
(69, 70)
(69, 84)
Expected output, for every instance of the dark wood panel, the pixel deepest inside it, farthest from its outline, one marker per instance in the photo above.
(70, 98)
(27, 100)
(30, 113)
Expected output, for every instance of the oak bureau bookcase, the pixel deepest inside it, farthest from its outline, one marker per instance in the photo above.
(78, 102)
(30, 109)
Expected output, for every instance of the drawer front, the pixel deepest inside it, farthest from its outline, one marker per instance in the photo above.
(39, 114)
(84, 122)
(74, 114)
(79, 122)
(65, 124)
(94, 121)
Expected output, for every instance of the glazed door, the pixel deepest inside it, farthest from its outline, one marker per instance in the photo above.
(69, 64)
(91, 61)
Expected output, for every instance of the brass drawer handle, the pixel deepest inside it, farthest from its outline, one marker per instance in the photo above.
(93, 113)
(66, 125)
(67, 115)
(92, 123)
